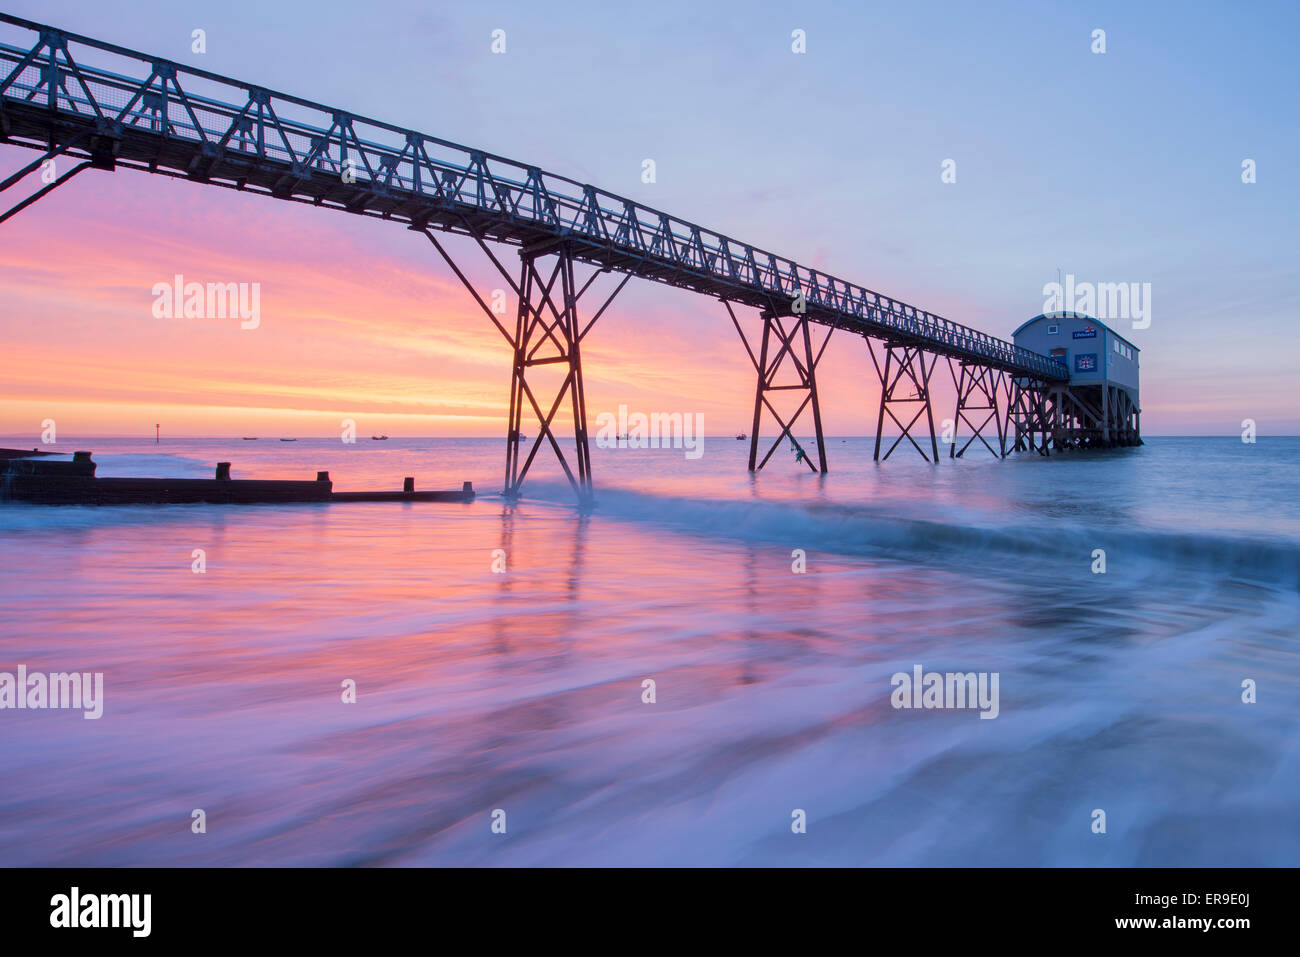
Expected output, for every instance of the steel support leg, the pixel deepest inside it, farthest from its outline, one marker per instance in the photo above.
(786, 340)
(1013, 415)
(978, 387)
(1047, 407)
(1030, 415)
(547, 331)
(906, 369)
(49, 186)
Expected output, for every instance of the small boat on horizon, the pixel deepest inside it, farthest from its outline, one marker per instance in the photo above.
(379, 438)
(288, 440)
(741, 437)
(250, 438)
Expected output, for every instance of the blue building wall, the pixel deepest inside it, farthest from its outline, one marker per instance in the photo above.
(1092, 351)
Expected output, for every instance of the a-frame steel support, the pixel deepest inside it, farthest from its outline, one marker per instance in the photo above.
(904, 380)
(50, 184)
(548, 332)
(1032, 412)
(785, 338)
(978, 389)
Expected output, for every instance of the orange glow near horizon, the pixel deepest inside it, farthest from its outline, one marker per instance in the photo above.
(359, 321)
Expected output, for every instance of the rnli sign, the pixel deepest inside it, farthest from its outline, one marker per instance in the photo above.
(1086, 362)
(1087, 332)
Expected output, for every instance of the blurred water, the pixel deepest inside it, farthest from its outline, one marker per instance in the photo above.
(522, 691)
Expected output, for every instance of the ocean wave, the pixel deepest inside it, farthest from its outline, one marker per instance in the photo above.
(968, 536)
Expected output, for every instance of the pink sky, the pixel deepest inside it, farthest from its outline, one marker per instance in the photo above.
(359, 320)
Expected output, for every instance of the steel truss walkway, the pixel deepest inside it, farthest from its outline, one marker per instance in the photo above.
(105, 107)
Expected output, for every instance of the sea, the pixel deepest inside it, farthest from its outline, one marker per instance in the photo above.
(700, 667)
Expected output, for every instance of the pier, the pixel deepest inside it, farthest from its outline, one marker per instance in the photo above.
(107, 108)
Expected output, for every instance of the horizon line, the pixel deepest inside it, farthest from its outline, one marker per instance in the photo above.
(568, 435)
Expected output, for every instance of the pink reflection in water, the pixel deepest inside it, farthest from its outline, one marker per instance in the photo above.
(523, 690)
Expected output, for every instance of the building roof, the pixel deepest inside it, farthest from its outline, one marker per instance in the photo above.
(1073, 315)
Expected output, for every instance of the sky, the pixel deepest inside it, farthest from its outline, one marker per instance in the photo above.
(1122, 166)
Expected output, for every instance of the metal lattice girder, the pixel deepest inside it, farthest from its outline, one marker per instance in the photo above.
(1089, 416)
(1032, 411)
(548, 331)
(905, 367)
(1127, 417)
(978, 390)
(786, 342)
(153, 114)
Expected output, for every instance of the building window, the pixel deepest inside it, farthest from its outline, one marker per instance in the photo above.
(1053, 329)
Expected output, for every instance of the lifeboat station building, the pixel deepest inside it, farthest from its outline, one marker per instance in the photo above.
(1098, 406)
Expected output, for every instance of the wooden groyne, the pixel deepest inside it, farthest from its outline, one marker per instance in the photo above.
(408, 494)
(23, 454)
(24, 478)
